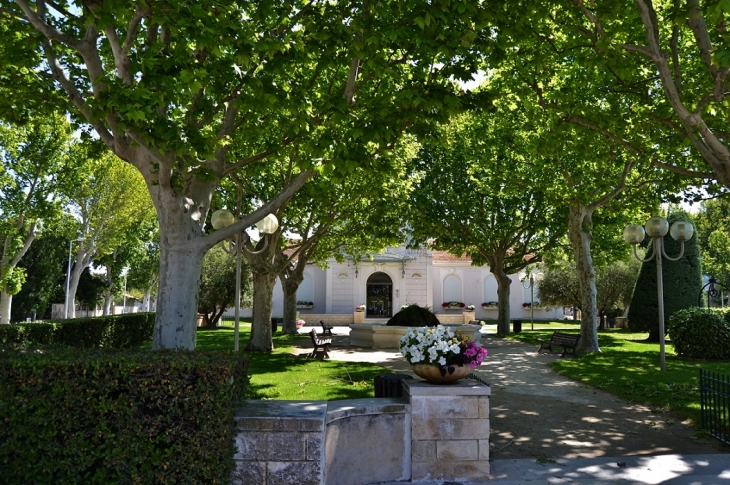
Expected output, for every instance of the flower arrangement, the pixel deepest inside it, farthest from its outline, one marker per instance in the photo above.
(439, 346)
(360, 308)
(490, 304)
(452, 304)
(305, 303)
(300, 323)
(470, 308)
(534, 304)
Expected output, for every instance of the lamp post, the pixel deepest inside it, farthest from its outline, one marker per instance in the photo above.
(535, 275)
(656, 228)
(68, 274)
(266, 226)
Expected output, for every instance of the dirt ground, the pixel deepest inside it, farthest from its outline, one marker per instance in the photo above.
(536, 413)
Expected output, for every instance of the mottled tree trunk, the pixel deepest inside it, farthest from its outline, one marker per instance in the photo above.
(263, 290)
(6, 303)
(290, 306)
(580, 226)
(496, 267)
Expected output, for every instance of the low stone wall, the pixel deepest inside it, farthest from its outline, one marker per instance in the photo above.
(437, 432)
(381, 336)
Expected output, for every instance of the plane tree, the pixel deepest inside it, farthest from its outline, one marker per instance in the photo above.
(34, 169)
(191, 93)
(481, 194)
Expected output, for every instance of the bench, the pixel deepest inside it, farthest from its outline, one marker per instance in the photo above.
(326, 329)
(568, 341)
(321, 346)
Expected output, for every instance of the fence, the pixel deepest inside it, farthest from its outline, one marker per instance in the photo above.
(715, 404)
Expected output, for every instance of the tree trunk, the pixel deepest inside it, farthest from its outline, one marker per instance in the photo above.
(146, 300)
(180, 268)
(263, 290)
(289, 325)
(580, 225)
(6, 302)
(108, 302)
(496, 267)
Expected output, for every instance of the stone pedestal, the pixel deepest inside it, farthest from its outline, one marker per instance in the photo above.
(469, 316)
(449, 430)
(358, 317)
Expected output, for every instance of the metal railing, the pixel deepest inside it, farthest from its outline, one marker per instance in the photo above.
(715, 404)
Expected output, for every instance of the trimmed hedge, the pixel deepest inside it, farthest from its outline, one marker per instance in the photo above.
(112, 331)
(414, 316)
(73, 416)
(699, 333)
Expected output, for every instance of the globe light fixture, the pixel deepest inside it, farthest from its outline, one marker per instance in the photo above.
(266, 226)
(656, 228)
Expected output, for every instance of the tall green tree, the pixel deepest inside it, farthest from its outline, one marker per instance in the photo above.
(34, 168)
(191, 93)
(682, 283)
(110, 202)
(713, 222)
(218, 285)
(480, 194)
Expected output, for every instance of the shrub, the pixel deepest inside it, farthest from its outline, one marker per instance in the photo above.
(99, 417)
(114, 331)
(700, 334)
(414, 316)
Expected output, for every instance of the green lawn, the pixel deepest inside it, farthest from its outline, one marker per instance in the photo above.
(281, 375)
(629, 367)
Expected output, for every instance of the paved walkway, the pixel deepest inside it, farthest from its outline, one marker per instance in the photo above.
(547, 429)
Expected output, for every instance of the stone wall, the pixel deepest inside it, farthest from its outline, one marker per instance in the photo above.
(313, 319)
(435, 432)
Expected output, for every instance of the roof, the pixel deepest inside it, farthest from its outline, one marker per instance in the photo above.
(448, 257)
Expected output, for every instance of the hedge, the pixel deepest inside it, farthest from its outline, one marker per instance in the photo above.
(113, 331)
(71, 416)
(700, 333)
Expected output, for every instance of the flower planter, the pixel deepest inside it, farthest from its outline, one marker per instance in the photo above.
(441, 374)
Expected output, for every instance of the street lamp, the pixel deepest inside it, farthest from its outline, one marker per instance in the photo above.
(266, 226)
(68, 274)
(535, 275)
(656, 228)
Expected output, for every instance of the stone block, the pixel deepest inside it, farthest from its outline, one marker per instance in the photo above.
(451, 406)
(368, 449)
(470, 470)
(294, 473)
(455, 450)
(423, 450)
(484, 450)
(314, 446)
(484, 407)
(450, 428)
(249, 473)
(286, 447)
(451, 471)
(252, 445)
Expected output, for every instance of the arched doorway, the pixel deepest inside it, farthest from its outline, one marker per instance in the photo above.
(379, 296)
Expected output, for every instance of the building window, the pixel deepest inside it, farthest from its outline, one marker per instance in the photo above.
(306, 289)
(452, 288)
(490, 289)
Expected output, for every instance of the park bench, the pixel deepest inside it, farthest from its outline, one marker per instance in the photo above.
(320, 345)
(568, 341)
(326, 329)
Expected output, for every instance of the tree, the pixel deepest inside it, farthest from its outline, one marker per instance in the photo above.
(144, 268)
(33, 171)
(713, 222)
(481, 195)
(191, 93)
(110, 201)
(682, 283)
(218, 284)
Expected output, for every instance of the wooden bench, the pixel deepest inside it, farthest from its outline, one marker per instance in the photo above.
(568, 341)
(321, 346)
(326, 329)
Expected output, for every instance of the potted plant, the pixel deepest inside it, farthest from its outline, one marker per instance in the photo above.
(438, 355)
(360, 308)
(489, 304)
(452, 305)
(300, 323)
(305, 304)
(470, 308)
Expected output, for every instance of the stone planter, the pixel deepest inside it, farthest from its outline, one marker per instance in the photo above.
(441, 374)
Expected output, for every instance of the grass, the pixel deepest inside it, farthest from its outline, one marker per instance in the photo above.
(281, 375)
(628, 366)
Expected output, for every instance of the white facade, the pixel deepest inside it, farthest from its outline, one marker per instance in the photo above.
(401, 276)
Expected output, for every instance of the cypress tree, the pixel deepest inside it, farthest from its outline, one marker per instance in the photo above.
(682, 283)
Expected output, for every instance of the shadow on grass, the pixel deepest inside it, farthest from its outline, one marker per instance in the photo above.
(282, 375)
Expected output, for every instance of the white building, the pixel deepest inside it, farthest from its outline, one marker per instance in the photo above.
(402, 276)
